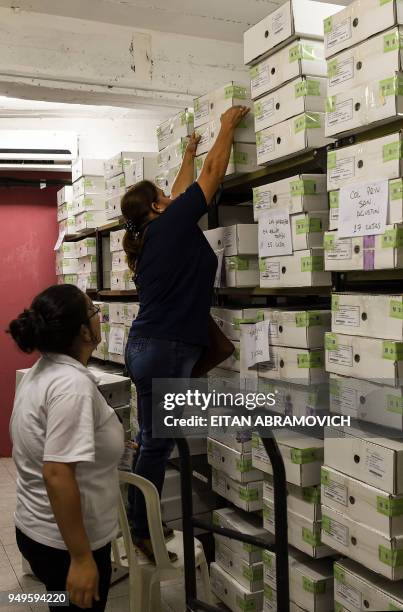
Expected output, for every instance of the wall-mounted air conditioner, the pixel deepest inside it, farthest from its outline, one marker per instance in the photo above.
(37, 150)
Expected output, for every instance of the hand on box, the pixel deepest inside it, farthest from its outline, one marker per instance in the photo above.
(192, 144)
(233, 116)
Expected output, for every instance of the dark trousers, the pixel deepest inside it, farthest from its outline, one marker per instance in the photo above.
(51, 566)
(148, 358)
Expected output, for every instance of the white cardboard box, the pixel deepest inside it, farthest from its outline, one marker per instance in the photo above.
(300, 366)
(364, 106)
(116, 164)
(122, 281)
(66, 265)
(304, 501)
(89, 203)
(368, 61)
(296, 400)
(178, 126)
(368, 358)
(242, 271)
(68, 250)
(89, 185)
(311, 581)
(381, 252)
(302, 456)
(131, 310)
(301, 57)
(89, 220)
(366, 401)
(359, 22)
(213, 104)
(228, 320)
(141, 169)
(247, 523)
(215, 238)
(67, 279)
(237, 466)
(232, 593)
(112, 207)
(208, 132)
(87, 264)
(233, 362)
(304, 535)
(117, 313)
(304, 94)
(307, 230)
(355, 585)
(302, 269)
(247, 497)
(361, 502)
(241, 239)
(62, 213)
(270, 601)
(82, 167)
(301, 133)
(172, 155)
(242, 160)
(360, 543)
(380, 158)
(87, 281)
(119, 261)
(65, 195)
(87, 246)
(374, 460)
(115, 186)
(248, 575)
(297, 194)
(295, 18)
(370, 315)
(116, 240)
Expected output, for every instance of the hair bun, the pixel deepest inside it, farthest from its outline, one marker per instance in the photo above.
(27, 329)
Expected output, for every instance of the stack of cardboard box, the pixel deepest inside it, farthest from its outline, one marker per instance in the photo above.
(285, 52)
(208, 110)
(172, 137)
(121, 275)
(89, 197)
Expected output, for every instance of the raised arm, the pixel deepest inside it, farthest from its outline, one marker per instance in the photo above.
(216, 162)
(185, 176)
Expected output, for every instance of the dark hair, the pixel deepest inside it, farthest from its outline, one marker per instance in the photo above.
(52, 322)
(136, 207)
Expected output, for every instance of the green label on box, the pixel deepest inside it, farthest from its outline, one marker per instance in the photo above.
(392, 558)
(335, 302)
(307, 122)
(393, 607)
(241, 157)
(311, 495)
(396, 189)
(332, 67)
(334, 387)
(267, 558)
(248, 494)
(392, 239)
(396, 309)
(330, 104)
(267, 511)
(313, 359)
(258, 110)
(307, 225)
(317, 588)
(235, 91)
(315, 263)
(253, 573)
(308, 318)
(327, 25)
(331, 341)
(307, 87)
(199, 163)
(239, 263)
(294, 54)
(301, 456)
(339, 574)
(268, 592)
(302, 187)
(246, 605)
(338, 607)
(392, 350)
(244, 465)
(382, 2)
(254, 72)
(334, 197)
(389, 506)
(255, 441)
(331, 160)
(301, 51)
(311, 538)
(324, 477)
(237, 354)
(391, 42)
(326, 523)
(395, 404)
(392, 86)
(392, 151)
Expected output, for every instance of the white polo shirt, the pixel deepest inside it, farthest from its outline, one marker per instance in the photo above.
(60, 415)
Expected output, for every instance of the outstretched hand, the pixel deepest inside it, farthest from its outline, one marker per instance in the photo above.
(194, 140)
(233, 116)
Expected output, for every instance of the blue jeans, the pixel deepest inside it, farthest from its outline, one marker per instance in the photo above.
(148, 358)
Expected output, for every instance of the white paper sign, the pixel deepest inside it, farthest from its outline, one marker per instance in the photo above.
(275, 234)
(255, 342)
(219, 273)
(82, 282)
(363, 209)
(248, 332)
(262, 342)
(116, 340)
(60, 240)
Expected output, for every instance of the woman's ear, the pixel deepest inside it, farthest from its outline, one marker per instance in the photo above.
(157, 208)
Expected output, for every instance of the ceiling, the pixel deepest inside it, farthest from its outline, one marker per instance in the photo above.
(218, 19)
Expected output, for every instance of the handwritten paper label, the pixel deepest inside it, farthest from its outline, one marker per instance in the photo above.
(255, 342)
(275, 234)
(60, 240)
(220, 258)
(262, 341)
(116, 340)
(363, 209)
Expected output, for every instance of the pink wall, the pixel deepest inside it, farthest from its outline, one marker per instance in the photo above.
(28, 232)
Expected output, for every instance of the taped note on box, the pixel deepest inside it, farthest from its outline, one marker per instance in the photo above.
(363, 209)
(275, 234)
(255, 342)
(60, 240)
(116, 340)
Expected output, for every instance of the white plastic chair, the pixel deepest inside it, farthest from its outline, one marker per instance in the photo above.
(145, 577)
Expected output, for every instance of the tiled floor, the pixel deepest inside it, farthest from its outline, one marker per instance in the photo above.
(12, 578)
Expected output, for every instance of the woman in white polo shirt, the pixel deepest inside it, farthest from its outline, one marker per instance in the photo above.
(67, 443)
